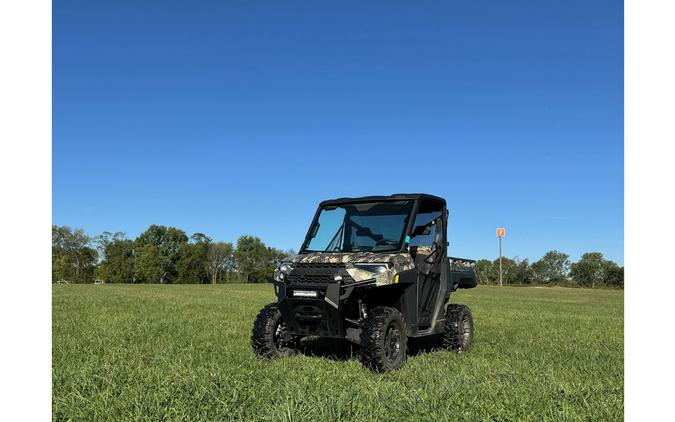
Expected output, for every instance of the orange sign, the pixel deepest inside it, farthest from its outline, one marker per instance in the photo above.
(501, 232)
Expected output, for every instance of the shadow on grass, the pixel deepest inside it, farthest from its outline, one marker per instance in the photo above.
(342, 350)
(329, 348)
(422, 345)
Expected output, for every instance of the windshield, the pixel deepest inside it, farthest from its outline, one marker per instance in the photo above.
(364, 227)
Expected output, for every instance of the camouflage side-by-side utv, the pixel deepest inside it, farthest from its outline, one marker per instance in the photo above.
(374, 271)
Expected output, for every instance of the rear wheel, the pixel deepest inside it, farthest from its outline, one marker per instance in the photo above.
(270, 337)
(383, 340)
(458, 336)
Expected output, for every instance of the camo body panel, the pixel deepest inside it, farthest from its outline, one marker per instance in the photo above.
(399, 261)
(424, 250)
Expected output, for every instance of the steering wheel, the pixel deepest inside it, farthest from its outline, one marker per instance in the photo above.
(387, 242)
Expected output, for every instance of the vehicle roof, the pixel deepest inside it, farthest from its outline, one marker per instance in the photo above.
(394, 197)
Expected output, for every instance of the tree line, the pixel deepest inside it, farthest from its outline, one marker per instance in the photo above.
(554, 268)
(159, 255)
(168, 255)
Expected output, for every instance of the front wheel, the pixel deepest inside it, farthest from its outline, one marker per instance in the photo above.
(270, 337)
(383, 340)
(458, 335)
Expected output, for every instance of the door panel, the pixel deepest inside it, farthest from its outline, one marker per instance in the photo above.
(428, 260)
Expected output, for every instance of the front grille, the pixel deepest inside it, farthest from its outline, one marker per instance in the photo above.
(311, 278)
(318, 273)
(319, 265)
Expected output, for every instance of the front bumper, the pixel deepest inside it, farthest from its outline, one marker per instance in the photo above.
(320, 316)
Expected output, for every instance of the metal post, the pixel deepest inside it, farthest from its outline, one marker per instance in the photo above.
(500, 261)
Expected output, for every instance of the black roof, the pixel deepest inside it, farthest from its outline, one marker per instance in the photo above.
(394, 197)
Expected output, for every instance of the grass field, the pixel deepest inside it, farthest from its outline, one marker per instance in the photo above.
(151, 352)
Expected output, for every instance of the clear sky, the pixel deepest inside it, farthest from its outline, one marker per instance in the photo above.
(238, 117)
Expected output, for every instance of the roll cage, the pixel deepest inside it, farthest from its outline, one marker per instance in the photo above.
(416, 199)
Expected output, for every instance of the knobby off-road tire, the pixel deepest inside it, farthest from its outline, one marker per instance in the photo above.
(384, 342)
(458, 336)
(269, 338)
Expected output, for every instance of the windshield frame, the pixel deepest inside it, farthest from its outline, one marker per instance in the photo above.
(403, 245)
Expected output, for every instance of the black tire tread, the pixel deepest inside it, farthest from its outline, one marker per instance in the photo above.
(453, 331)
(262, 335)
(372, 352)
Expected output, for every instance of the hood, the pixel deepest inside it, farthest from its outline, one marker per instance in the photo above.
(397, 258)
(398, 261)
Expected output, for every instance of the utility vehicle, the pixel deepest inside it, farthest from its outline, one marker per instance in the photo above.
(374, 271)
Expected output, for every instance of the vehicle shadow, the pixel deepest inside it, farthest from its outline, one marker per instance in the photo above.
(342, 350)
(422, 345)
(329, 348)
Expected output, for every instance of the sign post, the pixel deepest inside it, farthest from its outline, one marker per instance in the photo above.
(501, 232)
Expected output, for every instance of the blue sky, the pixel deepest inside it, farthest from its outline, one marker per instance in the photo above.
(234, 118)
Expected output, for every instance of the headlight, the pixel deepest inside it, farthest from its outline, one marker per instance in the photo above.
(282, 271)
(379, 271)
(373, 268)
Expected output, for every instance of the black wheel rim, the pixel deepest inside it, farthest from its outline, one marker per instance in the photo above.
(280, 334)
(392, 343)
(466, 332)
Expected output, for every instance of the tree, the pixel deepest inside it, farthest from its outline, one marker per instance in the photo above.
(592, 269)
(73, 258)
(554, 266)
(219, 261)
(106, 238)
(589, 271)
(200, 238)
(488, 271)
(118, 261)
(192, 262)
(149, 266)
(254, 260)
(485, 271)
(613, 274)
(509, 270)
(157, 252)
(524, 273)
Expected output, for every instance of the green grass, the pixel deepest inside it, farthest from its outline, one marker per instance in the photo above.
(151, 352)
